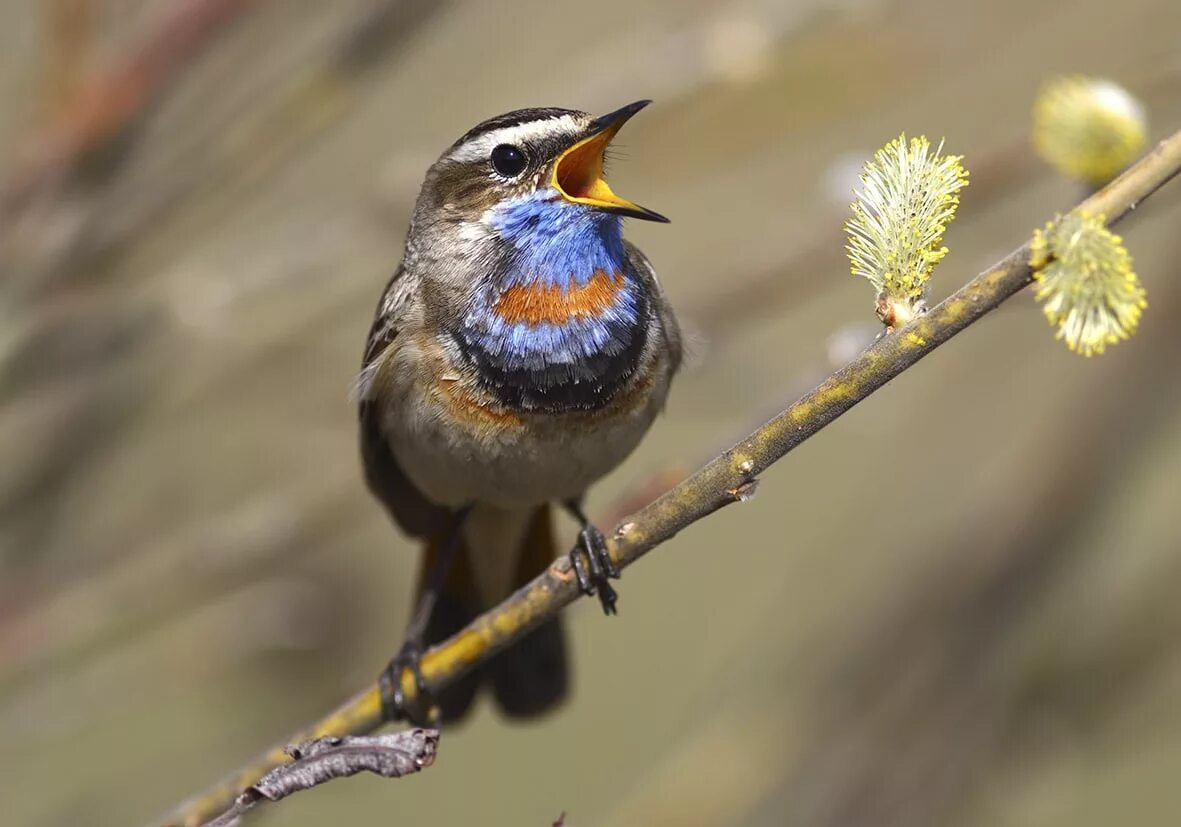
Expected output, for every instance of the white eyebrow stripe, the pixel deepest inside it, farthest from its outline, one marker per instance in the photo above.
(478, 148)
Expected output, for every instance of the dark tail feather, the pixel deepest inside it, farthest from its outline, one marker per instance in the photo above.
(530, 677)
(457, 606)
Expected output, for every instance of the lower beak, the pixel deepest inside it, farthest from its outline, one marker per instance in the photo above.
(578, 173)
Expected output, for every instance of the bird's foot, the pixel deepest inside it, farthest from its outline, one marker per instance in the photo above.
(420, 709)
(593, 566)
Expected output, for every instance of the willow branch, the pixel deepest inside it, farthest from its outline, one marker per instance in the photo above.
(728, 478)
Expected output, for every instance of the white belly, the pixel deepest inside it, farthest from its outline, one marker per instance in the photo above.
(543, 458)
(458, 451)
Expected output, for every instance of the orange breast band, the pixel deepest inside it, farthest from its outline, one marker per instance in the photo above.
(463, 406)
(535, 304)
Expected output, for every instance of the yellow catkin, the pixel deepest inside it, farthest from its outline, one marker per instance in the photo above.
(906, 199)
(1087, 128)
(1084, 279)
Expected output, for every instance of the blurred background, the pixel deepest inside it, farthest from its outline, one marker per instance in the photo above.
(956, 606)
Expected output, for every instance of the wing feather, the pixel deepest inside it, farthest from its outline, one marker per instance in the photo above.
(668, 322)
(409, 507)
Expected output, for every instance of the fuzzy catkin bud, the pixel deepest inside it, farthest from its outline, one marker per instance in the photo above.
(908, 196)
(1084, 279)
(1088, 129)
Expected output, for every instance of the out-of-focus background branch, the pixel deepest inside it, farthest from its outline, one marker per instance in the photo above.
(189, 564)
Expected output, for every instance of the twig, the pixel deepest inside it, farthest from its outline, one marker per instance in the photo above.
(323, 759)
(717, 484)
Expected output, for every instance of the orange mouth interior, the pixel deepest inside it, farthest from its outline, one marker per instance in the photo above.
(578, 174)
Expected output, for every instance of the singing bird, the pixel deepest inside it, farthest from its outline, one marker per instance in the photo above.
(519, 353)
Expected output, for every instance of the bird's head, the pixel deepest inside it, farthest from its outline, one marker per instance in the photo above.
(518, 249)
(522, 161)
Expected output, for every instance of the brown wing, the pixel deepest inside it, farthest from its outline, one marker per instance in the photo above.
(664, 312)
(410, 509)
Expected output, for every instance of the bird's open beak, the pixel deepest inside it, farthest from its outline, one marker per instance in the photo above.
(578, 173)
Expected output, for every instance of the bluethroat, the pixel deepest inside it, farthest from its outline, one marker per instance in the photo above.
(519, 353)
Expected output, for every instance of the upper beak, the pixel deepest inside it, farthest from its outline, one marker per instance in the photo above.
(578, 172)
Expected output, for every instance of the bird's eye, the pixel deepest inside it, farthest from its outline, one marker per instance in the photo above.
(508, 160)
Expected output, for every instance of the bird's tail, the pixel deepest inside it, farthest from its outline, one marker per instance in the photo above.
(529, 678)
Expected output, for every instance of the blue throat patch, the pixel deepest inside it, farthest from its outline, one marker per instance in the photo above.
(557, 242)
(554, 365)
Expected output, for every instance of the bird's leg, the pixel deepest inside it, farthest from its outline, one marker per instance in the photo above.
(393, 700)
(594, 571)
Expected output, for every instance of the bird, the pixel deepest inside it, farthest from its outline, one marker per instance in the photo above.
(519, 353)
